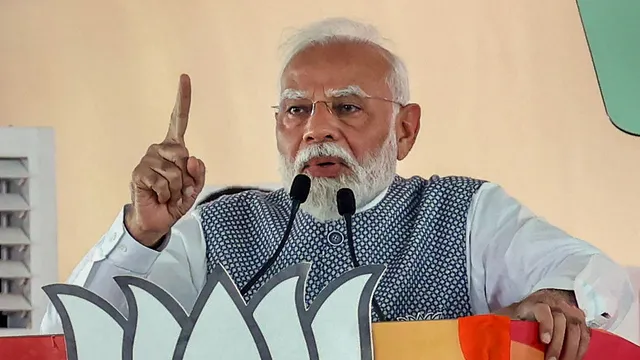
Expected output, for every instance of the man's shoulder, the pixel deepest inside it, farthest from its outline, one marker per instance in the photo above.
(452, 182)
(439, 194)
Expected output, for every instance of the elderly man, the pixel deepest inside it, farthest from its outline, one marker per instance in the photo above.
(453, 246)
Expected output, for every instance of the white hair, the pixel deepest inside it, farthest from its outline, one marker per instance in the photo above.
(345, 30)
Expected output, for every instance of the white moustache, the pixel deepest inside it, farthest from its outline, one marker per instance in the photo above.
(324, 150)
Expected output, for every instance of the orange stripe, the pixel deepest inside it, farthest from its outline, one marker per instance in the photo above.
(417, 340)
(485, 337)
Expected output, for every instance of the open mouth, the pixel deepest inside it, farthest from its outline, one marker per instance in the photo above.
(327, 166)
(324, 161)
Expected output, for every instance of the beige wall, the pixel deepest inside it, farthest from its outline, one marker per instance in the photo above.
(507, 88)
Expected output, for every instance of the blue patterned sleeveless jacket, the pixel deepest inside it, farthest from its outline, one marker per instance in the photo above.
(418, 231)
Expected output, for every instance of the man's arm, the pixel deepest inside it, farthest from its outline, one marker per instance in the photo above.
(514, 253)
(178, 266)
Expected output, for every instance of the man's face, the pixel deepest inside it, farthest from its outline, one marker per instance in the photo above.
(336, 124)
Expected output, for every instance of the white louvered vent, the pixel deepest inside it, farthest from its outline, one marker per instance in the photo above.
(28, 249)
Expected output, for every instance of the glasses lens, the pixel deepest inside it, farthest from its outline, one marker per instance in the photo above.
(296, 107)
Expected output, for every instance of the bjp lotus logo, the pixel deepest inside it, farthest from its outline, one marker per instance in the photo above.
(275, 324)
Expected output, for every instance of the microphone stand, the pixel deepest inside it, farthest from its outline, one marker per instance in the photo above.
(299, 192)
(347, 208)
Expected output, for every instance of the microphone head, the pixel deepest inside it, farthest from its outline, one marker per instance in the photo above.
(346, 202)
(300, 188)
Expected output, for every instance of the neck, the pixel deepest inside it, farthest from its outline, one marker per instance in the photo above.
(375, 201)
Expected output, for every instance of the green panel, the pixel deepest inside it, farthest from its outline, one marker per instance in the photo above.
(613, 33)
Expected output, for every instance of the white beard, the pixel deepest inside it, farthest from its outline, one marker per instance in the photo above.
(367, 180)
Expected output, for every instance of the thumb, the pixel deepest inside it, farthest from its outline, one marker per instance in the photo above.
(509, 311)
(197, 170)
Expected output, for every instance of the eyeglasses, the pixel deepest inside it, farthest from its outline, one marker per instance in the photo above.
(342, 107)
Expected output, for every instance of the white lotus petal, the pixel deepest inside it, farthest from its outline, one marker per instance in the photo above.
(157, 331)
(223, 326)
(220, 331)
(278, 319)
(97, 335)
(336, 326)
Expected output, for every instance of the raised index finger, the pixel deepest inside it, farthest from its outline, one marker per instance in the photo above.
(180, 113)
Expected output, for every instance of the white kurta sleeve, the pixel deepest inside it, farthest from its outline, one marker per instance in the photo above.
(179, 267)
(513, 253)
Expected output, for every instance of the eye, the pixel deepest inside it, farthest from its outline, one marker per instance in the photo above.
(298, 110)
(346, 108)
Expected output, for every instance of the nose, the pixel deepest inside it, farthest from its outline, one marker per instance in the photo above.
(321, 125)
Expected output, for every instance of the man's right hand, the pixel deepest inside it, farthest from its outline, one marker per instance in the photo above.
(167, 181)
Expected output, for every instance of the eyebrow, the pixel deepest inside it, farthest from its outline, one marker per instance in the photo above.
(347, 91)
(293, 94)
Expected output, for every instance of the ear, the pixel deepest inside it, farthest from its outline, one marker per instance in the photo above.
(407, 128)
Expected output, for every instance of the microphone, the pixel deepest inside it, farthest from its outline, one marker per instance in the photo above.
(298, 193)
(347, 208)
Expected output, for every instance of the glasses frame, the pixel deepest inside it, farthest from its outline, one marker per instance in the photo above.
(329, 103)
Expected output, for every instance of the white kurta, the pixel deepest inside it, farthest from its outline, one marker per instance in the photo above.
(510, 253)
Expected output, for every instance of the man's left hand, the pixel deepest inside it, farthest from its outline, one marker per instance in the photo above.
(563, 325)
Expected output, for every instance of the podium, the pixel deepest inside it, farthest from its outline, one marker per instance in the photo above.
(483, 337)
(276, 324)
